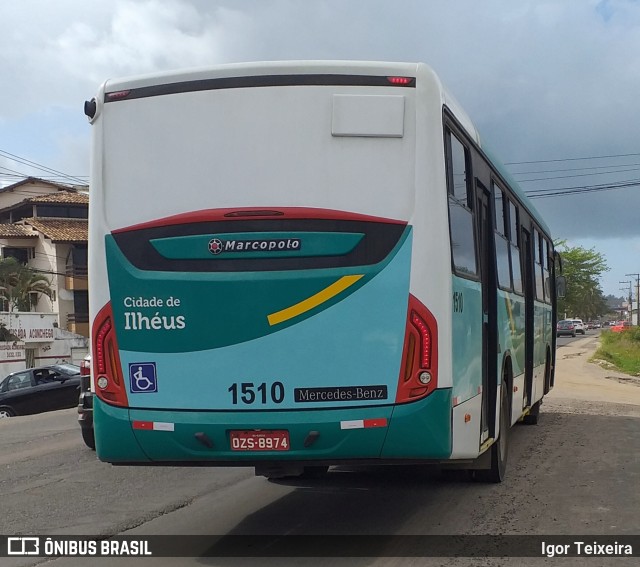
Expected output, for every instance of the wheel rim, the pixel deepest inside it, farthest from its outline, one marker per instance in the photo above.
(5, 413)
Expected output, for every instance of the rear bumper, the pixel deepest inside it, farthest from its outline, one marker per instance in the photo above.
(419, 431)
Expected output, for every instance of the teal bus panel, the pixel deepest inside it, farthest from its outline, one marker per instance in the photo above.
(511, 330)
(418, 430)
(351, 342)
(466, 338)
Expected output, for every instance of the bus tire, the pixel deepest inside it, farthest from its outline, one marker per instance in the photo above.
(500, 449)
(547, 372)
(88, 437)
(534, 413)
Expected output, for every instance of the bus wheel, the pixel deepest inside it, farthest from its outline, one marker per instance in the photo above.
(88, 437)
(532, 417)
(499, 450)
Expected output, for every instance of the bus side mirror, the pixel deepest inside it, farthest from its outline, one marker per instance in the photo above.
(561, 287)
(90, 108)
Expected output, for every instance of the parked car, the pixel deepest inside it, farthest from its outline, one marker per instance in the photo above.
(85, 404)
(621, 326)
(579, 325)
(565, 327)
(36, 390)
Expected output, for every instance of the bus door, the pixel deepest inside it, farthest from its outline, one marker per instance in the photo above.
(529, 294)
(489, 331)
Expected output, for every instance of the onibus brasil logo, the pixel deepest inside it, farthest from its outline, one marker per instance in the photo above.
(218, 246)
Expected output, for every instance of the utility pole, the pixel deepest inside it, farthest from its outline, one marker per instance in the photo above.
(630, 300)
(637, 276)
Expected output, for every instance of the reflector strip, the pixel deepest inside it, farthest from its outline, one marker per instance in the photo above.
(381, 422)
(163, 426)
(154, 425)
(311, 302)
(364, 423)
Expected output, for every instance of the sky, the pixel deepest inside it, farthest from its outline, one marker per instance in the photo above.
(552, 85)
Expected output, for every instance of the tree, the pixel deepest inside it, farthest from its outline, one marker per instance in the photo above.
(6, 334)
(582, 267)
(18, 282)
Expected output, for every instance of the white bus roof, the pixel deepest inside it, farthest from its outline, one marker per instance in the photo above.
(422, 72)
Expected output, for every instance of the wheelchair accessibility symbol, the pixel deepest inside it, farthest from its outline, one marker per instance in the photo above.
(142, 377)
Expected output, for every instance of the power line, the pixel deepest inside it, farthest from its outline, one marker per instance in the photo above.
(569, 159)
(575, 169)
(576, 175)
(55, 178)
(36, 165)
(561, 192)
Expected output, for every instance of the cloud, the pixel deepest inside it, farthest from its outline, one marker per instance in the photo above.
(123, 38)
(542, 79)
(142, 37)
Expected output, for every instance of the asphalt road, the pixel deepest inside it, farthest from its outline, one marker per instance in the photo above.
(576, 472)
(564, 340)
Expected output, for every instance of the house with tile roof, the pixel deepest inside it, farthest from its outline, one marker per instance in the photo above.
(44, 225)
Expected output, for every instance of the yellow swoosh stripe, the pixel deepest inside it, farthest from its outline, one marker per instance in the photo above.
(319, 298)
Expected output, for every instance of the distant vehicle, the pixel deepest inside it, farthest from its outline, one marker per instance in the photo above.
(85, 404)
(579, 325)
(621, 326)
(566, 328)
(37, 390)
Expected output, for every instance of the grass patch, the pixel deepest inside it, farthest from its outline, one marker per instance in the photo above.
(621, 349)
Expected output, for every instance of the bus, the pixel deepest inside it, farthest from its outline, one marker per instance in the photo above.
(297, 265)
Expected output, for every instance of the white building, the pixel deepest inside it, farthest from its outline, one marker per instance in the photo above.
(44, 225)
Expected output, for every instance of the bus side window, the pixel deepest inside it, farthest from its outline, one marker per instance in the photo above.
(547, 271)
(516, 269)
(501, 241)
(537, 244)
(460, 213)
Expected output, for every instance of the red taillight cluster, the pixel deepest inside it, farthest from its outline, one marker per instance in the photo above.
(419, 369)
(100, 346)
(108, 380)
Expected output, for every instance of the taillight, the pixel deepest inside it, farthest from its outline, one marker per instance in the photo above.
(108, 380)
(118, 95)
(401, 81)
(85, 367)
(419, 369)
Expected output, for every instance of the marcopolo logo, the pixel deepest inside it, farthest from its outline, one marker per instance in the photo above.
(218, 246)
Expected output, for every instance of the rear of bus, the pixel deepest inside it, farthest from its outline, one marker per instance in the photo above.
(251, 249)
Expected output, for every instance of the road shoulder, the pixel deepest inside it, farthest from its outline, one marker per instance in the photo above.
(586, 387)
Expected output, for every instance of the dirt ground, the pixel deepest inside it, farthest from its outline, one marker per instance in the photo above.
(581, 386)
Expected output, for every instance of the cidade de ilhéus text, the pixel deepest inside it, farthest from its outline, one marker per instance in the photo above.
(158, 320)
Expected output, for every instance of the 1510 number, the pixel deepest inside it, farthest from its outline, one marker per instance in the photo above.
(249, 393)
(458, 302)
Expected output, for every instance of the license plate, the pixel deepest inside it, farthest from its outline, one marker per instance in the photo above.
(259, 440)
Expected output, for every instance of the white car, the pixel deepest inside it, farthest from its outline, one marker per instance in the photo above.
(579, 326)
